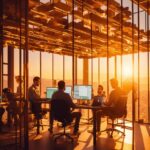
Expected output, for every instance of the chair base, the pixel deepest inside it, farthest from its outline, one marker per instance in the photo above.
(59, 135)
(108, 130)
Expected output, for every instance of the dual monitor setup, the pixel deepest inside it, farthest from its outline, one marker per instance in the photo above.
(83, 92)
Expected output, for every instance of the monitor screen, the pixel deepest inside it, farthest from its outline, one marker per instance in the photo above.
(50, 91)
(83, 92)
(68, 90)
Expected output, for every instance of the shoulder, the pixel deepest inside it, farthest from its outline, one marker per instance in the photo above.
(31, 88)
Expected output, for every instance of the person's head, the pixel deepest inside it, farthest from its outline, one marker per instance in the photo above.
(18, 79)
(61, 85)
(36, 81)
(100, 90)
(114, 83)
(6, 91)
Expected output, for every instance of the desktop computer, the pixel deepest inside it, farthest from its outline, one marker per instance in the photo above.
(50, 91)
(82, 92)
(68, 90)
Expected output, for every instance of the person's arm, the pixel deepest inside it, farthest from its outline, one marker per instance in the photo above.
(109, 100)
(33, 96)
(70, 101)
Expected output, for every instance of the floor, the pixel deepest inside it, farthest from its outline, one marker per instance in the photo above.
(44, 140)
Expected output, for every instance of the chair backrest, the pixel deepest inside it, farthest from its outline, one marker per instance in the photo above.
(12, 103)
(60, 110)
(120, 108)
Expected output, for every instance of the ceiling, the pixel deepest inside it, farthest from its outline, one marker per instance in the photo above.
(51, 29)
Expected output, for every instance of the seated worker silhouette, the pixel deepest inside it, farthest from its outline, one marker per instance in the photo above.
(34, 97)
(111, 102)
(2, 110)
(12, 109)
(59, 95)
(98, 100)
(114, 94)
(112, 99)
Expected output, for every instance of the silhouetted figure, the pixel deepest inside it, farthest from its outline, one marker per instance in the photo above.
(12, 109)
(113, 97)
(59, 95)
(34, 97)
(98, 101)
(2, 110)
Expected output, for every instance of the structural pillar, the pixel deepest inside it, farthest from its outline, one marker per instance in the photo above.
(11, 67)
(85, 71)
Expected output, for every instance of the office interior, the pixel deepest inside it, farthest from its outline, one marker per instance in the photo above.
(83, 42)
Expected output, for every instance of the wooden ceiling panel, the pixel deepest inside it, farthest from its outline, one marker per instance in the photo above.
(50, 28)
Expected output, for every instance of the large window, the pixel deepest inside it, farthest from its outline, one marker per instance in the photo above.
(5, 67)
(58, 67)
(46, 68)
(34, 65)
(95, 75)
(68, 70)
(103, 73)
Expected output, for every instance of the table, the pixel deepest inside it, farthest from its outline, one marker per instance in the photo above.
(94, 109)
(3, 104)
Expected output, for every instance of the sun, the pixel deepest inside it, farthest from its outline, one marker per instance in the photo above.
(127, 71)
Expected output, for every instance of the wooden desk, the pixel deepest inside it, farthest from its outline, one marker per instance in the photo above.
(94, 109)
(43, 100)
(3, 104)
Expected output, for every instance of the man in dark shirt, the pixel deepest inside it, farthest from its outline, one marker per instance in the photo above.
(2, 110)
(34, 97)
(112, 99)
(99, 98)
(115, 93)
(98, 101)
(60, 94)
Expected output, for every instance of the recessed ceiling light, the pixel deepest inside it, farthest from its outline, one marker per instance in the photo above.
(104, 7)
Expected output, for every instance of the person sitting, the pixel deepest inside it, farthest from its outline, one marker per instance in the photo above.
(60, 94)
(114, 94)
(2, 110)
(98, 100)
(113, 98)
(12, 109)
(34, 97)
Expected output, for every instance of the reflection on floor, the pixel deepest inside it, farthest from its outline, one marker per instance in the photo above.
(85, 141)
(44, 140)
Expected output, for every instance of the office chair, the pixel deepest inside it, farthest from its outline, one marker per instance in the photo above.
(120, 111)
(60, 111)
(36, 110)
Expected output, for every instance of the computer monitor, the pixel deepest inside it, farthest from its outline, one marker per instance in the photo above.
(50, 91)
(83, 92)
(68, 90)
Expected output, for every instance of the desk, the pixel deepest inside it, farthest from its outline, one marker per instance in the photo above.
(3, 104)
(94, 109)
(43, 100)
